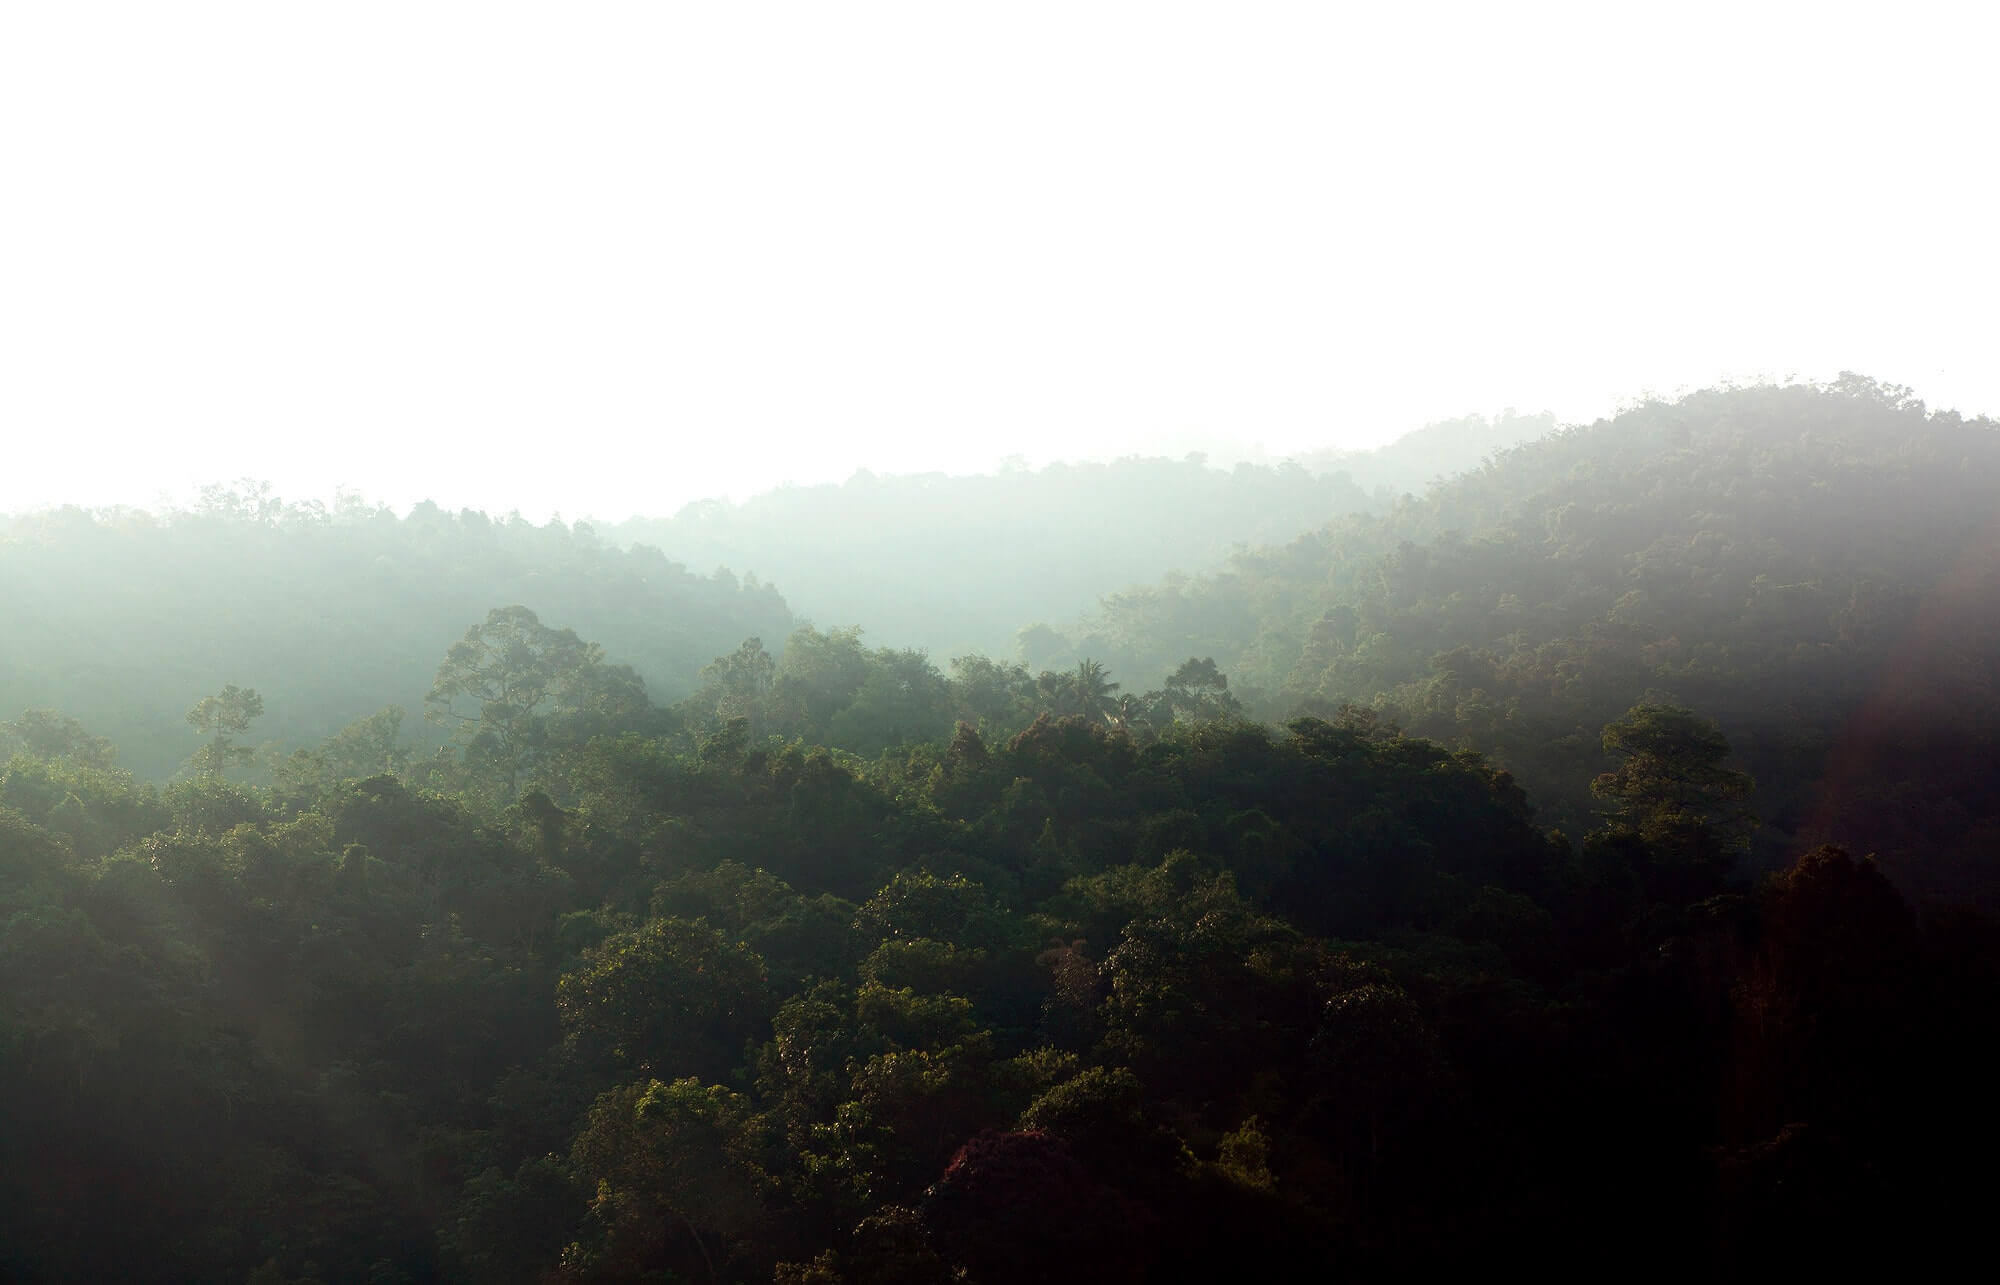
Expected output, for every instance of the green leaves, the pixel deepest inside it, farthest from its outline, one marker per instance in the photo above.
(1671, 760)
(675, 1173)
(674, 997)
(45, 733)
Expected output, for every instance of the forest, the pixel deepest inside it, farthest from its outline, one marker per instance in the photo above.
(998, 552)
(1583, 864)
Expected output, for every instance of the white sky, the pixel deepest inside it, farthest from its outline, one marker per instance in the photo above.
(602, 258)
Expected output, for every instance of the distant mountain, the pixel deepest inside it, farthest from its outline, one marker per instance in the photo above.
(1434, 453)
(960, 564)
(124, 620)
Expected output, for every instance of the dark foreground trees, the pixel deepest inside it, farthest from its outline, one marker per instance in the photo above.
(1064, 1004)
(849, 967)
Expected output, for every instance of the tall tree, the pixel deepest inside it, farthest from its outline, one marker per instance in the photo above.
(221, 718)
(1199, 692)
(1671, 763)
(737, 685)
(1087, 691)
(1673, 787)
(675, 1170)
(499, 684)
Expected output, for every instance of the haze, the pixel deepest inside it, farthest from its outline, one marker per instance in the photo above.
(610, 259)
(1002, 644)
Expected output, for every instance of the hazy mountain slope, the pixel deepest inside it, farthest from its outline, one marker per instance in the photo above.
(124, 621)
(1436, 452)
(1815, 567)
(842, 970)
(959, 564)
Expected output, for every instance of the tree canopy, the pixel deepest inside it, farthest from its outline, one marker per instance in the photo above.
(1546, 868)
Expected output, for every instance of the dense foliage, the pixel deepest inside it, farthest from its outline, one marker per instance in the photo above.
(1075, 1004)
(1816, 567)
(825, 964)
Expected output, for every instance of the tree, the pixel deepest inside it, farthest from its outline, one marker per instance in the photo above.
(1201, 983)
(1672, 788)
(674, 1167)
(736, 686)
(498, 685)
(366, 747)
(1671, 765)
(1087, 692)
(673, 997)
(1376, 1064)
(903, 700)
(45, 733)
(1103, 1116)
(991, 693)
(1826, 1012)
(221, 718)
(1199, 692)
(1041, 647)
(1671, 761)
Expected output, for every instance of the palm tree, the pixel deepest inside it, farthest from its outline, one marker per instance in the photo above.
(1091, 688)
(1133, 714)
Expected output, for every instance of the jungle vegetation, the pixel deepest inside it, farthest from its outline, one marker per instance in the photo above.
(1579, 867)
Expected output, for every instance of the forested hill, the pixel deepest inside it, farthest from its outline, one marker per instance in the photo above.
(955, 565)
(124, 620)
(1818, 568)
(1418, 460)
(841, 969)
(959, 564)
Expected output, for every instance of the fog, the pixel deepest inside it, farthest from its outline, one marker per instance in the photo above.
(783, 642)
(614, 261)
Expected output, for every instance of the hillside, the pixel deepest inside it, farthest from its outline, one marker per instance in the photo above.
(820, 963)
(1435, 453)
(124, 620)
(960, 564)
(1818, 568)
(955, 565)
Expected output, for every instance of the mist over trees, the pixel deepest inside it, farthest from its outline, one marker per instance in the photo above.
(955, 565)
(123, 619)
(1817, 567)
(1418, 460)
(1487, 878)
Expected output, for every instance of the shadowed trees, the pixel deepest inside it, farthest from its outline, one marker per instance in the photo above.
(853, 971)
(672, 998)
(1673, 788)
